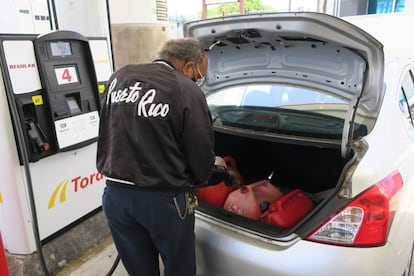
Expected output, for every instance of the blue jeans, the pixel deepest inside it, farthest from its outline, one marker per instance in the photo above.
(146, 224)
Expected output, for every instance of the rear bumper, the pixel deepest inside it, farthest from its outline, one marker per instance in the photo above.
(224, 252)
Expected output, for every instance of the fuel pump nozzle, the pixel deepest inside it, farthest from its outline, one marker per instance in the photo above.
(36, 136)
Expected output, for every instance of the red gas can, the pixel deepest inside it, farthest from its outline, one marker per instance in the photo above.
(288, 210)
(246, 200)
(216, 195)
(4, 269)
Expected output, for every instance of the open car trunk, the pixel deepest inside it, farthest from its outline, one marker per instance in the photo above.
(316, 85)
(293, 166)
(313, 169)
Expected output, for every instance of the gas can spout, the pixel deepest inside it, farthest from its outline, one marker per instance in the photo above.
(270, 176)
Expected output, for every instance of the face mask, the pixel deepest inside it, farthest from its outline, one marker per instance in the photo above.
(200, 80)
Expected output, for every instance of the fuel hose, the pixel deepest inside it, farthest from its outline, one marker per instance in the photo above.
(25, 161)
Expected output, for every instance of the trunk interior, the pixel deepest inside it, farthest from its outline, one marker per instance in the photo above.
(315, 170)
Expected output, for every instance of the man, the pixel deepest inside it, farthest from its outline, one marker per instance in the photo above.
(155, 145)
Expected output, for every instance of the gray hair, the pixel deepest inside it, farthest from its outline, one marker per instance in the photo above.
(186, 49)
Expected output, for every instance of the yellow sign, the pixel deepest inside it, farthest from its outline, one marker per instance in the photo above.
(37, 100)
(62, 187)
(101, 88)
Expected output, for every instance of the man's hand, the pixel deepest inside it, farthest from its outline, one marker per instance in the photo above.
(220, 161)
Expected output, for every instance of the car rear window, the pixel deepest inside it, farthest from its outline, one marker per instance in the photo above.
(280, 109)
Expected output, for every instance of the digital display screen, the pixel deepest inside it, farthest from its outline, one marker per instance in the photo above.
(60, 49)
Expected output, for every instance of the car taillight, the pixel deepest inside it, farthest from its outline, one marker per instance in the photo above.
(366, 220)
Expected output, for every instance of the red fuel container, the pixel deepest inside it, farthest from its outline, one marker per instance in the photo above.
(216, 195)
(246, 200)
(288, 210)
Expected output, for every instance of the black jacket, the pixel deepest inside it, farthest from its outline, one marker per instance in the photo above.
(155, 129)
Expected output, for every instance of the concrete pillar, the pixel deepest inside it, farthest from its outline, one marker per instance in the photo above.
(139, 28)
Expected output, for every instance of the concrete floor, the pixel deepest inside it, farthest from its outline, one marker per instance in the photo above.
(62, 253)
(95, 262)
(98, 261)
(66, 251)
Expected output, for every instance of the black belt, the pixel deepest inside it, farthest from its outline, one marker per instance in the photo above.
(113, 183)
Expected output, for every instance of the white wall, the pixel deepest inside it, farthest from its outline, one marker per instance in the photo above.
(89, 18)
(409, 5)
(14, 21)
(10, 22)
(394, 31)
(133, 11)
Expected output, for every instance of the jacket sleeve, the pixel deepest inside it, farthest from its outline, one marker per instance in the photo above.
(198, 138)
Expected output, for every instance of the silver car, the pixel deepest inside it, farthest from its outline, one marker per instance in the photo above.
(305, 107)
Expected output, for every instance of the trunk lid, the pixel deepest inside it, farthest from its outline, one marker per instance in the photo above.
(305, 49)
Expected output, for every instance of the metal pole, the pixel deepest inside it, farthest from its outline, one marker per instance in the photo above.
(203, 9)
(242, 4)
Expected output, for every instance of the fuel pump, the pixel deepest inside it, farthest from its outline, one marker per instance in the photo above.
(49, 102)
(63, 115)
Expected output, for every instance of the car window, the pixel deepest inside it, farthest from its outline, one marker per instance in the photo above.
(407, 95)
(269, 96)
(280, 109)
